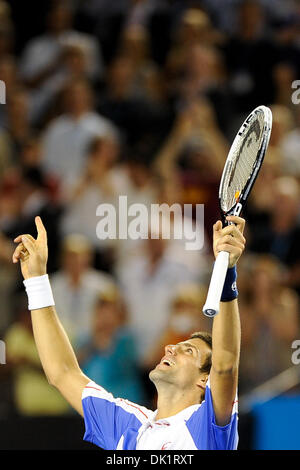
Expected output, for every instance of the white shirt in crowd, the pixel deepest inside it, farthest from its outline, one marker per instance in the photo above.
(149, 296)
(76, 306)
(65, 143)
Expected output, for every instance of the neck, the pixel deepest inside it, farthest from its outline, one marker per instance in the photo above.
(171, 401)
(74, 279)
(78, 113)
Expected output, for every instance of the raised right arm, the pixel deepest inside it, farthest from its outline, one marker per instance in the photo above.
(55, 351)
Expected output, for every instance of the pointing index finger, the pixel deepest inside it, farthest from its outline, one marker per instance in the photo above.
(42, 234)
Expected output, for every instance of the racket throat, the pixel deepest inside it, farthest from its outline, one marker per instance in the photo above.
(236, 210)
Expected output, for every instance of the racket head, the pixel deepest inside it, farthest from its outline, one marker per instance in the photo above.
(244, 161)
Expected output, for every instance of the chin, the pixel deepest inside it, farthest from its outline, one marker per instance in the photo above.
(152, 374)
(155, 374)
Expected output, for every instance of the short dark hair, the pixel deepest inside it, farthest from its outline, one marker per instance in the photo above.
(207, 338)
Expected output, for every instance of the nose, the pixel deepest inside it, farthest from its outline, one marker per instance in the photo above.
(170, 349)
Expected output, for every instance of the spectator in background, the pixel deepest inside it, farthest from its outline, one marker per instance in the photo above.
(104, 180)
(226, 19)
(196, 260)
(282, 123)
(132, 112)
(67, 137)
(148, 283)
(194, 29)
(109, 19)
(193, 63)
(247, 53)
(100, 182)
(32, 395)
(196, 122)
(76, 286)
(139, 185)
(31, 196)
(7, 32)
(269, 318)
(279, 233)
(195, 150)
(108, 354)
(16, 128)
(290, 148)
(286, 37)
(42, 56)
(260, 202)
(145, 187)
(8, 279)
(74, 66)
(185, 317)
(9, 75)
(202, 71)
(31, 152)
(147, 81)
(284, 75)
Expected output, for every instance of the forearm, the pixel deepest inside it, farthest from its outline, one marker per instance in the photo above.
(226, 337)
(54, 348)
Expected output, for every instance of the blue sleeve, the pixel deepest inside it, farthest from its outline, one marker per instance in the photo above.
(206, 433)
(107, 418)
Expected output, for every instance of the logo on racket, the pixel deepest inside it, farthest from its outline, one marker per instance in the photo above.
(210, 312)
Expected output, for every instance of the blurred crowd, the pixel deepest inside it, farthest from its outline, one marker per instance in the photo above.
(143, 98)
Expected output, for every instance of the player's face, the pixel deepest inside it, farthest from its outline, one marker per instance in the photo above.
(181, 363)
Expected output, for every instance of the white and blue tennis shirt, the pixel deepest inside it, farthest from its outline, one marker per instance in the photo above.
(118, 424)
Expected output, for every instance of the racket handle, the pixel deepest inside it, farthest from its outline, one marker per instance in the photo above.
(212, 304)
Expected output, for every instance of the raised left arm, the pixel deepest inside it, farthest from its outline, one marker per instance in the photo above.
(226, 333)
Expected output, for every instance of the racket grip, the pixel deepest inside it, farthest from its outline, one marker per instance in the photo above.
(212, 304)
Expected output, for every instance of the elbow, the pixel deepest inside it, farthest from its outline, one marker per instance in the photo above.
(53, 379)
(56, 377)
(225, 363)
(225, 369)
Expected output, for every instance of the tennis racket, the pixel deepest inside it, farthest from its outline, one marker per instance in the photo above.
(240, 171)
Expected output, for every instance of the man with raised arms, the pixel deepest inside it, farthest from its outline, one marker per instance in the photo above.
(196, 380)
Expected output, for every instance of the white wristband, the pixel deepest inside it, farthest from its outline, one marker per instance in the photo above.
(39, 292)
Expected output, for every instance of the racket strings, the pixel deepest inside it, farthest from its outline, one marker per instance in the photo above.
(242, 164)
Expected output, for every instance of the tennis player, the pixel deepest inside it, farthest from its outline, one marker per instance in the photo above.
(196, 380)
